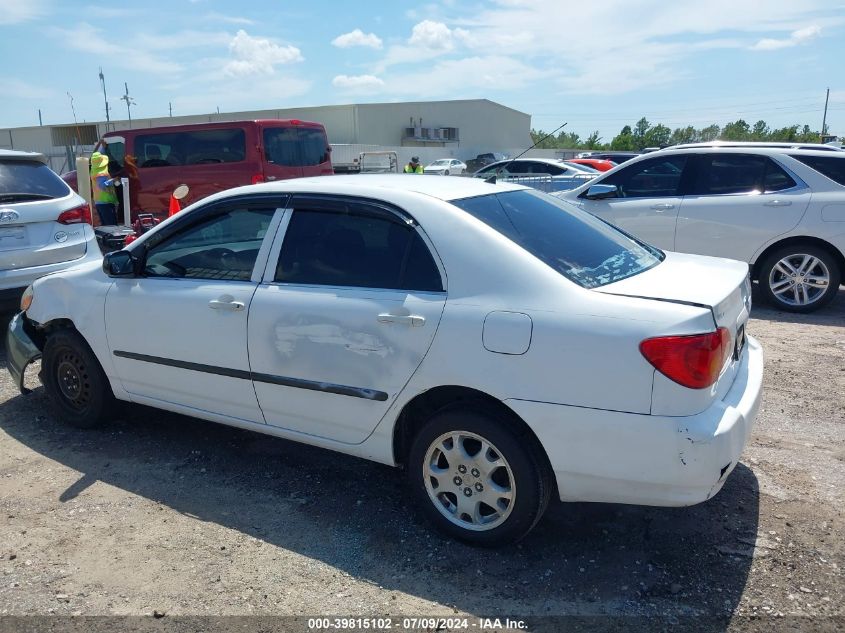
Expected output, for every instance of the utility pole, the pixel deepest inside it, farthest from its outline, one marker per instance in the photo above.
(824, 119)
(39, 118)
(129, 102)
(170, 106)
(105, 99)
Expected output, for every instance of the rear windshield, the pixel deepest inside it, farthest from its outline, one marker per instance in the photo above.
(578, 245)
(831, 166)
(27, 180)
(296, 146)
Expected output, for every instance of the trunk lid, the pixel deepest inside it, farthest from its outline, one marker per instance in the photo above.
(719, 285)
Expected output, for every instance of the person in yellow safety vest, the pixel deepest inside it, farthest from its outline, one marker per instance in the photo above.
(102, 189)
(414, 167)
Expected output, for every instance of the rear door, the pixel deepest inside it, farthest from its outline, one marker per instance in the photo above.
(32, 197)
(345, 315)
(737, 203)
(649, 196)
(294, 150)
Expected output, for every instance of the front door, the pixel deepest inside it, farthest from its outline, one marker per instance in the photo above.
(649, 195)
(178, 334)
(345, 315)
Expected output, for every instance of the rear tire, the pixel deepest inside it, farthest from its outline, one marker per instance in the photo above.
(74, 380)
(476, 478)
(799, 278)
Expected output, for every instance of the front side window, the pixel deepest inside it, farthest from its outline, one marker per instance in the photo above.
(223, 246)
(202, 147)
(355, 245)
(831, 166)
(574, 243)
(653, 178)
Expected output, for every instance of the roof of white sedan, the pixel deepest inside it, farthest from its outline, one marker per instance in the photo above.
(441, 187)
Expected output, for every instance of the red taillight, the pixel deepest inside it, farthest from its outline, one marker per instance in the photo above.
(129, 239)
(257, 178)
(77, 215)
(692, 361)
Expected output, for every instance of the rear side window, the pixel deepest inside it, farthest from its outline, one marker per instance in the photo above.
(352, 246)
(203, 147)
(720, 174)
(831, 166)
(296, 146)
(776, 178)
(654, 178)
(28, 180)
(576, 244)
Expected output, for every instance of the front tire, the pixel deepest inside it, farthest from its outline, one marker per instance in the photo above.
(476, 478)
(74, 380)
(799, 278)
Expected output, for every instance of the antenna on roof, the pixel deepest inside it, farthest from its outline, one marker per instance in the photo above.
(552, 133)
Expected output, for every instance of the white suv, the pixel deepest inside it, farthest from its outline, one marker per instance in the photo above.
(44, 225)
(780, 209)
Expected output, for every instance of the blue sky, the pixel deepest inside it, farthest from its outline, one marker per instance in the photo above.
(596, 65)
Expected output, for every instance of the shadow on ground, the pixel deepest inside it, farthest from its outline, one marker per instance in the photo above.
(354, 515)
(831, 314)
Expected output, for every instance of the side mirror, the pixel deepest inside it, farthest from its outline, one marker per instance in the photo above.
(600, 192)
(120, 264)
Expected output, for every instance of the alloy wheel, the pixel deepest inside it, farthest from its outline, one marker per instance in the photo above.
(799, 279)
(469, 481)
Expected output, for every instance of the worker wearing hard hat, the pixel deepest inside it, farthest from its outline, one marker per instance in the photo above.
(102, 189)
(414, 167)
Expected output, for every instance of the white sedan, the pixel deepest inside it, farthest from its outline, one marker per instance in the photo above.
(500, 345)
(445, 167)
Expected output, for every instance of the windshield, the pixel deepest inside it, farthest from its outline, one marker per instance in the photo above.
(576, 244)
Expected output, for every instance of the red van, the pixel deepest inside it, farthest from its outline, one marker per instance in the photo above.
(211, 157)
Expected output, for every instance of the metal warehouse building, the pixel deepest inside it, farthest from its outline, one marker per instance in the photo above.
(429, 129)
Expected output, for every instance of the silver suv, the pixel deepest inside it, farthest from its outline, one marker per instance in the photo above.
(44, 225)
(781, 209)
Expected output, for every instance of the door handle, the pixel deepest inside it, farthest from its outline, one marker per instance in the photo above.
(777, 203)
(271, 178)
(664, 206)
(413, 320)
(226, 303)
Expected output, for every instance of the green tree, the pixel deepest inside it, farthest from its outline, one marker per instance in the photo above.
(760, 131)
(709, 133)
(737, 130)
(686, 134)
(657, 136)
(593, 141)
(624, 141)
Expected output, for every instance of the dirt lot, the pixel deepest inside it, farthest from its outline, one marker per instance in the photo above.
(158, 512)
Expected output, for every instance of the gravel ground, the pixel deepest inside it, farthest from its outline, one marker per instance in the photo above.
(163, 513)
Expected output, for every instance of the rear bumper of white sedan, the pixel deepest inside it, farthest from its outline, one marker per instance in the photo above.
(615, 457)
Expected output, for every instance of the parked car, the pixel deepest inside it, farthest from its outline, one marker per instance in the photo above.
(211, 157)
(482, 160)
(499, 344)
(44, 226)
(781, 210)
(445, 167)
(547, 174)
(599, 164)
(616, 157)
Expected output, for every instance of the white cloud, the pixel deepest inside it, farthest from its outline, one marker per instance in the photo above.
(228, 19)
(17, 11)
(436, 36)
(795, 38)
(357, 38)
(18, 89)
(358, 83)
(258, 55)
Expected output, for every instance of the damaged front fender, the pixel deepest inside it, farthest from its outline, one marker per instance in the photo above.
(20, 350)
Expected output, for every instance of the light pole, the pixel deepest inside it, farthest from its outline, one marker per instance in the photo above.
(103, 83)
(129, 102)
